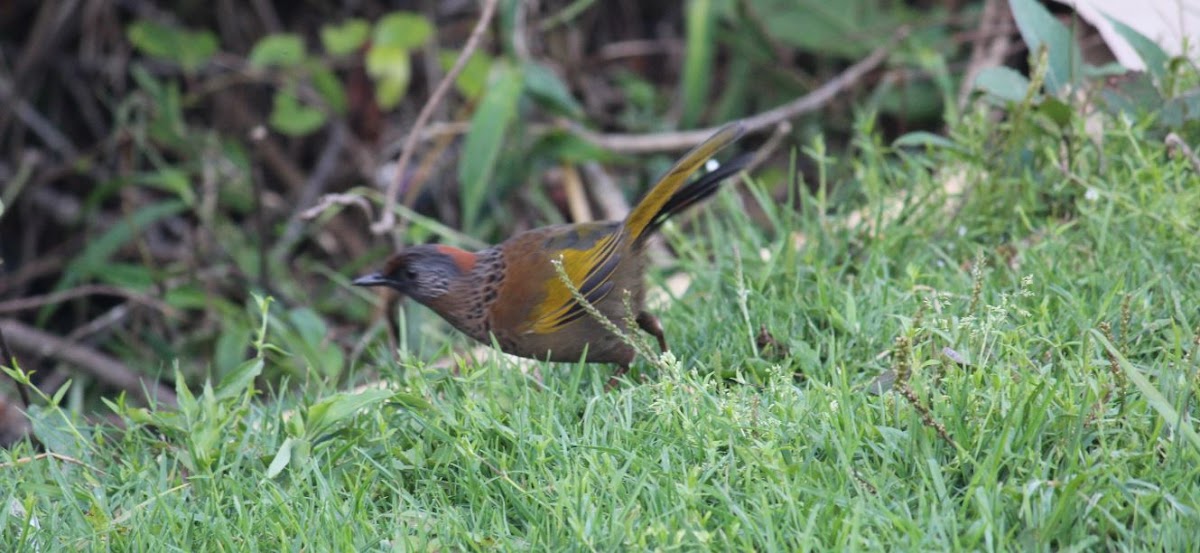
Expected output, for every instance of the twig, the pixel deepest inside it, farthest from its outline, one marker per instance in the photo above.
(257, 136)
(637, 48)
(272, 154)
(51, 27)
(605, 192)
(82, 92)
(313, 187)
(95, 363)
(425, 169)
(763, 152)
(42, 127)
(520, 31)
(47, 264)
(49, 455)
(902, 366)
(106, 320)
(988, 47)
(577, 203)
(22, 304)
(432, 131)
(818, 98)
(1114, 365)
(329, 200)
(926, 414)
(571, 11)
(387, 219)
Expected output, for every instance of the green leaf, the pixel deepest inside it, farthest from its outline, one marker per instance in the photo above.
(134, 277)
(544, 86)
(412, 401)
(1155, 58)
(282, 458)
(489, 133)
(924, 139)
(168, 124)
(1153, 396)
(152, 38)
(97, 252)
(698, 61)
(474, 75)
(171, 179)
(346, 37)
(231, 346)
(281, 50)
(566, 146)
(1040, 29)
(1098, 72)
(823, 27)
(301, 453)
(330, 88)
(187, 296)
(392, 70)
(336, 409)
(56, 432)
(306, 335)
(293, 118)
(1181, 109)
(190, 49)
(1057, 110)
(240, 380)
(308, 325)
(187, 402)
(1133, 94)
(735, 93)
(402, 30)
(1003, 83)
(196, 49)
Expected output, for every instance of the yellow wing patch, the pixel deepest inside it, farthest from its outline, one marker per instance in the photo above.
(590, 271)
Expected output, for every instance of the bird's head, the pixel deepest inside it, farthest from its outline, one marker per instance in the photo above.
(425, 272)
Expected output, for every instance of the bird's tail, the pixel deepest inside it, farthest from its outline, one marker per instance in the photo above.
(671, 194)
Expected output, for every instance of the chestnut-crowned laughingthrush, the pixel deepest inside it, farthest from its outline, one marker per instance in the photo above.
(512, 291)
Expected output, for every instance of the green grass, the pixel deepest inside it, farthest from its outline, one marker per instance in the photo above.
(1052, 441)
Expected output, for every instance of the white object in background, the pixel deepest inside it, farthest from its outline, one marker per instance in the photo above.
(1167, 22)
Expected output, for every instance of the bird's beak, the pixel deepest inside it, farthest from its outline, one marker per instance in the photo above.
(373, 279)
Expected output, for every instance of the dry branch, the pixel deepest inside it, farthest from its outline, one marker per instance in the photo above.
(818, 98)
(387, 220)
(101, 366)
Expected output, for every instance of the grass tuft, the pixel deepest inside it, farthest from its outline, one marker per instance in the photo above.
(990, 315)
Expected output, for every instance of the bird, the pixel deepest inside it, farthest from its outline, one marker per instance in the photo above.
(512, 293)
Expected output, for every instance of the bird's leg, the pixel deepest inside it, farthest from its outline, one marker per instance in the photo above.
(651, 325)
(614, 380)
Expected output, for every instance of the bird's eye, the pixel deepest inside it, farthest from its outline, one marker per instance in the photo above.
(410, 274)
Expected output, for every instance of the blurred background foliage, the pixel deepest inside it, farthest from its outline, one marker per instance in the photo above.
(162, 160)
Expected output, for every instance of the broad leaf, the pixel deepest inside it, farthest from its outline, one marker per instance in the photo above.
(1040, 30)
(281, 50)
(346, 37)
(489, 133)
